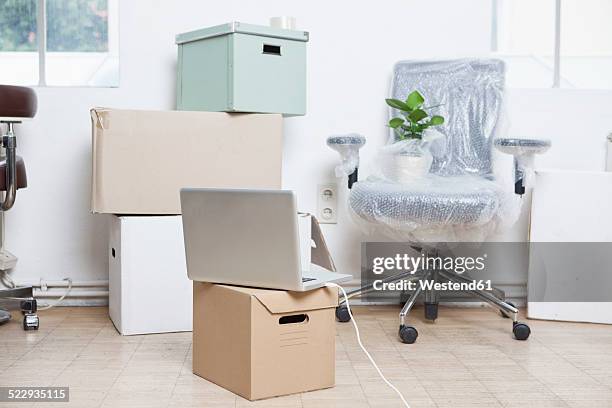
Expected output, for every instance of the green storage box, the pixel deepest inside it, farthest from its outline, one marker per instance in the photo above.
(240, 67)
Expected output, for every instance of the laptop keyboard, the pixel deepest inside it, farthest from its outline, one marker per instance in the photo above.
(308, 279)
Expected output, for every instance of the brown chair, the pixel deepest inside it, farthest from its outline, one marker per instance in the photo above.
(17, 103)
(22, 181)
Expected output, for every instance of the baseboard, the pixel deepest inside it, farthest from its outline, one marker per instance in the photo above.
(95, 293)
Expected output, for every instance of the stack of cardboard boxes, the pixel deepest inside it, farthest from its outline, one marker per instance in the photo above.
(258, 343)
(141, 160)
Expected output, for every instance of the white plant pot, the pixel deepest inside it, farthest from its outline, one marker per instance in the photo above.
(407, 167)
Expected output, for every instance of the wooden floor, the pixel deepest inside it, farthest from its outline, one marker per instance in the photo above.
(466, 359)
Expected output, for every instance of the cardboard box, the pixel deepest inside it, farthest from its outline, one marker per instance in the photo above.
(141, 159)
(263, 343)
(149, 291)
(313, 248)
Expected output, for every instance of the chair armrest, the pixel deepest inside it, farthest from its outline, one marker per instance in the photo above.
(518, 147)
(524, 151)
(348, 147)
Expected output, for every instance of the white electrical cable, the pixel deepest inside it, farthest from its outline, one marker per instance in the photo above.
(348, 308)
(7, 280)
(58, 301)
(10, 283)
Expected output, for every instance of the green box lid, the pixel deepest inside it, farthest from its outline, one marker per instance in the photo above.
(237, 27)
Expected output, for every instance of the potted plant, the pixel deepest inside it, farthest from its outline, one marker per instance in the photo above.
(411, 136)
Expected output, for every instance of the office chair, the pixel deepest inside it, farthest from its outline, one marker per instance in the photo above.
(16, 105)
(460, 193)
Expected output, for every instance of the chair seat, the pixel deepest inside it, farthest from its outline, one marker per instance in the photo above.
(22, 181)
(17, 102)
(432, 201)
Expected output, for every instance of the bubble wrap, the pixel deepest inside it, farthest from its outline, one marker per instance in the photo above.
(348, 147)
(433, 208)
(407, 160)
(524, 151)
(521, 147)
(471, 94)
(458, 198)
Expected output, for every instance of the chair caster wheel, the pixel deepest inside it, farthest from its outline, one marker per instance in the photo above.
(342, 314)
(408, 334)
(504, 314)
(5, 316)
(30, 322)
(521, 331)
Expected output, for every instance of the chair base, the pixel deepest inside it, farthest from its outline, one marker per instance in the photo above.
(5, 316)
(408, 334)
(21, 298)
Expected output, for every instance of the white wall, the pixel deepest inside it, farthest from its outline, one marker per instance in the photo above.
(352, 49)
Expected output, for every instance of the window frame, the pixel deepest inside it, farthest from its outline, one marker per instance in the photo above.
(43, 55)
(556, 60)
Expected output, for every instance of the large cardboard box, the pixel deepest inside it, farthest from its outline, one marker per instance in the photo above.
(263, 343)
(149, 291)
(141, 159)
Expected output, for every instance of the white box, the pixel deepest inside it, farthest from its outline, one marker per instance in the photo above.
(149, 291)
(571, 207)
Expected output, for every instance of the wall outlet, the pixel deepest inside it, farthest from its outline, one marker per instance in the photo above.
(327, 203)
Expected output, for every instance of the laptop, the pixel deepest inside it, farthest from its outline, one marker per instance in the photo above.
(247, 238)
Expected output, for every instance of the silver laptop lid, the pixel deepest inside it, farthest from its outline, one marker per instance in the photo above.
(242, 237)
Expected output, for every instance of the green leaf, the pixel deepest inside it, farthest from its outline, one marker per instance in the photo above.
(395, 122)
(436, 120)
(397, 104)
(417, 115)
(415, 100)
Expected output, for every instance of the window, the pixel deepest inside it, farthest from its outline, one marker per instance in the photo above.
(59, 42)
(554, 43)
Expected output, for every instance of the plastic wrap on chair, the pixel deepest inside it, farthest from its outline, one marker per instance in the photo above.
(520, 147)
(348, 147)
(407, 160)
(457, 199)
(450, 208)
(524, 151)
(470, 95)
